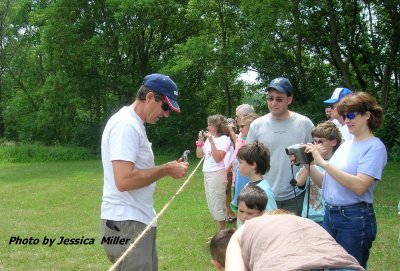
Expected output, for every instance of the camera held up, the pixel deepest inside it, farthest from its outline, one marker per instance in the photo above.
(299, 153)
(203, 134)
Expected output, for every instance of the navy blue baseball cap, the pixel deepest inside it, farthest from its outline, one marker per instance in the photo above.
(164, 85)
(281, 84)
(338, 95)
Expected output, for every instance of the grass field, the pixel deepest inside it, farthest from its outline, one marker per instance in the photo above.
(57, 199)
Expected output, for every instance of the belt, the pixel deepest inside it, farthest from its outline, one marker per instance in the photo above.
(361, 204)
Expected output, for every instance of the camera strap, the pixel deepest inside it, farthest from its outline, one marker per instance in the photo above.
(293, 183)
(309, 190)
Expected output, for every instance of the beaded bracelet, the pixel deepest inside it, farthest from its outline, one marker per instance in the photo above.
(199, 144)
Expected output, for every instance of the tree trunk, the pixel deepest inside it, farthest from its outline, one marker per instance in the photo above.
(224, 64)
(298, 52)
(334, 45)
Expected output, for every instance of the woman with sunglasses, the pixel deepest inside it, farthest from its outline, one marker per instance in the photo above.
(351, 176)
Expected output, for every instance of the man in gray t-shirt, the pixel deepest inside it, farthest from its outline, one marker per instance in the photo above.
(279, 129)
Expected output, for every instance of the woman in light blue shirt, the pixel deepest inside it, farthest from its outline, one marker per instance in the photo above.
(351, 176)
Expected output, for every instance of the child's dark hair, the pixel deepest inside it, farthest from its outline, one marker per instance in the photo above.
(219, 243)
(254, 197)
(258, 153)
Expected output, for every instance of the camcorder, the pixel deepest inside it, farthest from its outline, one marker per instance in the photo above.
(299, 153)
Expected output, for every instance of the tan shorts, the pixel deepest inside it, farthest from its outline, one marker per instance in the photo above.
(116, 237)
(215, 188)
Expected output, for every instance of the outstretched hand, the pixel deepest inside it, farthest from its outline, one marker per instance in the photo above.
(178, 169)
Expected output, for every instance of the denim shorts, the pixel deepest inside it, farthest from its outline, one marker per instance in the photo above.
(353, 227)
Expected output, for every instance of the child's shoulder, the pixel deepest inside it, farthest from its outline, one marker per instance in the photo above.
(264, 184)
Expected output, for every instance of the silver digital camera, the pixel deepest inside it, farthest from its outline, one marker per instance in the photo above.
(299, 153)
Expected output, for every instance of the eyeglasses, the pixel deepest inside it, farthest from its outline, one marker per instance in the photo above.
(277, 99)
(165, 107)
(319, 141)
(331, 106)
(159, 98)
(351, 115)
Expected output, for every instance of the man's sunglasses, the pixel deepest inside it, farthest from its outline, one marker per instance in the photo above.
(351, 115)
(165, 106)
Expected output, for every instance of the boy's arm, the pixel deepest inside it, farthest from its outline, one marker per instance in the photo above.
(302, 176)
(316, 175)
(234, 260)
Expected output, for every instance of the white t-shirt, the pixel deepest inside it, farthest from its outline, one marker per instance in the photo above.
(222, 143)
(336, 122)
(124, 138)
(229, 156)
(344, 130)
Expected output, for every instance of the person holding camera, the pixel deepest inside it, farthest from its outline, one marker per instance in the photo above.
(230, 215)
(214, 149)
(328, 137)
(279, 129)
(351, 176)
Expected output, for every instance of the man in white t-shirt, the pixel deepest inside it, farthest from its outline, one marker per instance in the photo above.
(130, 174)
(336, 97)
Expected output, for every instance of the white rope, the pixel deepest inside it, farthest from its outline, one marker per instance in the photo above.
(132, 246)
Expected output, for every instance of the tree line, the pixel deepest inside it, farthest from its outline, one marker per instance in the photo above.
(67, 65)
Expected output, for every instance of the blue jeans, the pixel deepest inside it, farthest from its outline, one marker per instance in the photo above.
(353, 227)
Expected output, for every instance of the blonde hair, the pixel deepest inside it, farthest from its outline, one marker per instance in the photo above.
(220, 123)
(248, 118)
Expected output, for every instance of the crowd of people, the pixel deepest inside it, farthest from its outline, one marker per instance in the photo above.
(323, 209)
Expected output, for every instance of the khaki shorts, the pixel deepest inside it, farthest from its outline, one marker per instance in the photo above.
(116, 237)
(215, 188)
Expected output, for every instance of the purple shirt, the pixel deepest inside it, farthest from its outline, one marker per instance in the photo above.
(368, 157)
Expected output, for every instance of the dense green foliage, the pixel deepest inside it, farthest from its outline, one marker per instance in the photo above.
(67, 65)
(15, 153)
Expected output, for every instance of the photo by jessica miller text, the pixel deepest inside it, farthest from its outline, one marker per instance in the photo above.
(61, 240)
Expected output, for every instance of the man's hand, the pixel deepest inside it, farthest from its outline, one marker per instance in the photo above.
(177, 169)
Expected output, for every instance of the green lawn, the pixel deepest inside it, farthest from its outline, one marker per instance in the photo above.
(63, 199)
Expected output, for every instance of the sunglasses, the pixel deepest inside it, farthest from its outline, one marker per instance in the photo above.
(165, 106)
(278, 99)
(331, 106)
(351, 115)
